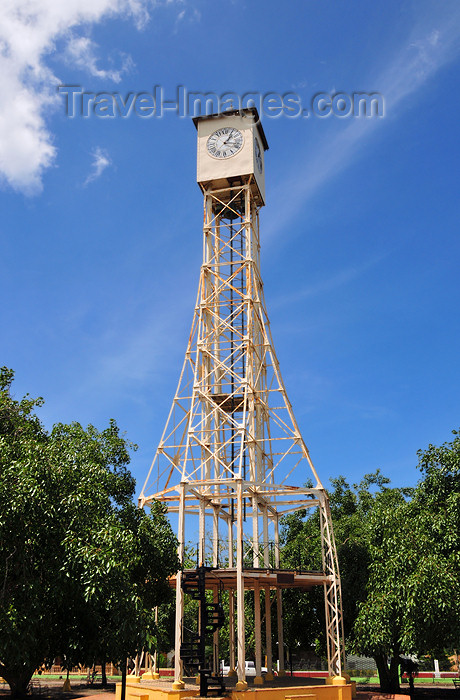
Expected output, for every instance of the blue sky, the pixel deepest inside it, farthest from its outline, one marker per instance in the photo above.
(101, 218)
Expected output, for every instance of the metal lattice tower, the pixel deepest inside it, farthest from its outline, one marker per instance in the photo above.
(231, 444)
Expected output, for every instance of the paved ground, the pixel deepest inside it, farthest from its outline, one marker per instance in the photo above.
(52, 690)
(425, 692)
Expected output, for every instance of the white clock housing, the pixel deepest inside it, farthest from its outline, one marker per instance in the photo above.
(231, 148)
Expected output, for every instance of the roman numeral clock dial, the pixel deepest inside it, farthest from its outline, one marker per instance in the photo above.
(225, 142)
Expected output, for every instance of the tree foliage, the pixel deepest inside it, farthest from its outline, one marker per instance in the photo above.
(301, 537)
(411, 605)
(81, 568)
(399, 558)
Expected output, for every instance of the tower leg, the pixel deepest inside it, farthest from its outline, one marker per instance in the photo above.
(231, 622)
(279, 604)
(268, 635)
(258, 680)
(178, 666)
(154, 669)
(178, 682)
(279, 611)
(242, 684)
(332, 595)
(215, 639)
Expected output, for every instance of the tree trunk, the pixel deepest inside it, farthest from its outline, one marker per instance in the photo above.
(394, 672)
(18, 681)
(123, 679)
(388, 675)
(103, 674)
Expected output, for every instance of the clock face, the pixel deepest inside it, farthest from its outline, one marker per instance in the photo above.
(225, 142)
(258, 155)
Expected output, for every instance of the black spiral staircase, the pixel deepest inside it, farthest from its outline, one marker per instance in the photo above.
(211, 618)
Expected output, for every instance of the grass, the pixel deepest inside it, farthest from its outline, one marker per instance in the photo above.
(374, 680)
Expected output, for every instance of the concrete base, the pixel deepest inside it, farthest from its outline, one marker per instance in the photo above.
(178, 691)
(339, 680)
(385, 696)
(269, 676)
(232, 673)
(66, 687)
(258, 680)
(281, 673)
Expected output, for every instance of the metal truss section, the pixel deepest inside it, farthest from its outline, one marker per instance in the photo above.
(231, 444)
(332, 593)
(231, 417)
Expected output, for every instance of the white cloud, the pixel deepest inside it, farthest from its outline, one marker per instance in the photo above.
(81, 52)
(191, 14)
(101, 161)
(29, 30)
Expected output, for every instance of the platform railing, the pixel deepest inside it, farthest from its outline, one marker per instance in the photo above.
(265, 552)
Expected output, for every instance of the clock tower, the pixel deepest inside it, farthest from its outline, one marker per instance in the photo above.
(231, 446)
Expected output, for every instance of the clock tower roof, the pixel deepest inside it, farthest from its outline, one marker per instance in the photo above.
(245, 112)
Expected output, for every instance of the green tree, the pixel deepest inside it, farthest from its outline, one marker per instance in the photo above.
(411, 605)
(398, 551)
(303, 612)
(438, 501)
(81, 568)
(350, 509)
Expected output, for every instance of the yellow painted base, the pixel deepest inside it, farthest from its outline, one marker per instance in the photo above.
(178, 685)
(258, 680)
(133, 679)
(339, 680)
(232, 673)
(312, 692)
(241, 685)
(269, 676)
